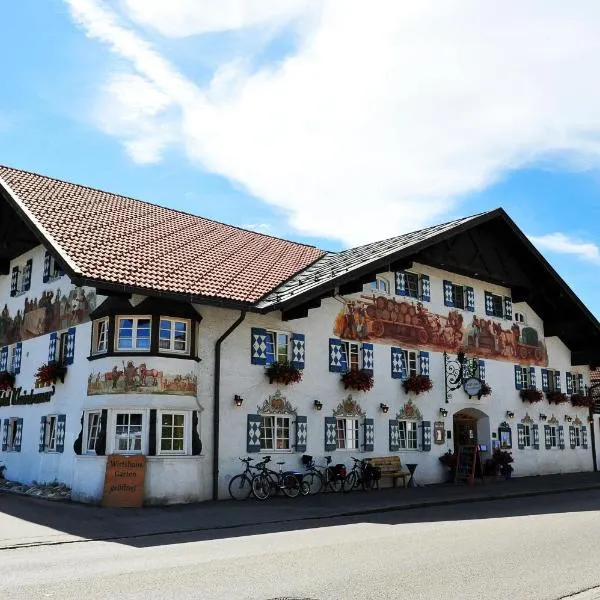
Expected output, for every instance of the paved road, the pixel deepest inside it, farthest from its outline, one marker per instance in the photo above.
(549, 550)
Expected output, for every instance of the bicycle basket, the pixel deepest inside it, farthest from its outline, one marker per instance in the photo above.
(337, 472)
(307, 460)
(373, 472)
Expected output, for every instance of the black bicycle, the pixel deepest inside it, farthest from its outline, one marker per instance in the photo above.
(362, 474)
(240, 486)
(321, 478)
(268, 483)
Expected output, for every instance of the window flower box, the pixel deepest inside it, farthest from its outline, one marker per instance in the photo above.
(283, 372)
(582, 400)
(485, 390)
(531, 395)
(49, 373)
(7, 380)
(417, 384)
(556, 397)
(360, 380)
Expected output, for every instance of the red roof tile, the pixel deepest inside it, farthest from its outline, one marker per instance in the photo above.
(119, 240)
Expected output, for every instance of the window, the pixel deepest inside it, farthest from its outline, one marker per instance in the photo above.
(50, 437)
(275, 433)
(551, 380)
(128, 432)
(54, 271)
(576, 387)
(497, 305)
(280, 342)
(526, 436)
(11, 439)
(347, 433)
(412, 285)
(520, 318)
(352, 354)
(133, 333)
(459, 294)
(525, 378)
(11, 361)
(93, 431)
(100, 336)
(553, 436)
(577, 436)
(408, 435)
(410, 360)
(174, 335)
(381, 285)
(172, 433)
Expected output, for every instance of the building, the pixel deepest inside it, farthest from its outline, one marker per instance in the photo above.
(161, 327)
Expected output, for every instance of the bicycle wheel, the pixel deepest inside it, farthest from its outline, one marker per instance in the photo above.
(367, 481)
(291, 485)
(240, 487)
(314, 482)
(336, 484)
(350, 481)
(261, 487)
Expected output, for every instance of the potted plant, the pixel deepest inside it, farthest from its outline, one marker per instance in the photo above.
(417, 384)
(2, 471)
(531, 395)
(556, 397)
(49, 373)
(7, 380)
(583, 400)
(283, 372)
(502, 460)
(448, 459)
(485, 390)
(356, 379)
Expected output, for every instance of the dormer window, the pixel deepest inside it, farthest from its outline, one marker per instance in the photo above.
(174, 335)
(381, 285)
(133, 333)
(100, 336)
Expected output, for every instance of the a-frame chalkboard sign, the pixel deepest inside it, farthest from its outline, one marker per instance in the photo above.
(466, 462)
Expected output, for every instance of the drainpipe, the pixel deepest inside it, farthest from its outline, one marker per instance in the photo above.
(593, 439)
(216, 403)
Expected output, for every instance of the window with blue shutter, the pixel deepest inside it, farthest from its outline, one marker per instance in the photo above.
(572, 437)
(426, 439)
(424, 363)
(425, 288)
(301, 433)
(547, 437)
(253, 434)
(569, 383)
(61, 431)
(584, 442)
(532, 383)
(52, 347)
(448, 297)
(14, 281)
(508, 312)
(520, 436)
(330, 434)
(580, 384)
(4, 435)
(400, 281)
(369, 428)
(298, 350)
(561, 437)
(535, 437)
(47, 262)
(518, 377)
(42, 440)
(394, 431)
(27, 276)
(4, 358)
(18, 435)
(470, 299)
(18, 357)
(481, 364)
(545, 386)
(69, 352)
(557, 381)
(489, 304)
(337, 359)
(258, 346)
(368, 357)
(397, 362)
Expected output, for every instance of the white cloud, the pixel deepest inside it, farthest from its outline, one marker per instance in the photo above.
(259, 227)
(385, 115)
(562, 244)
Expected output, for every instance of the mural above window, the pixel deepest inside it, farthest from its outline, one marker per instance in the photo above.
(141, 379)
(409, 323)
(276, 404)
(52, 311)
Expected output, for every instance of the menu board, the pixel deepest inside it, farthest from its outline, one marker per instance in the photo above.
(124, 481)
(466, 461)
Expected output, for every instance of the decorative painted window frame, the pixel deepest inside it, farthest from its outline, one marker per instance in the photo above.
(349, 409)
(410, 412)
(277, 405)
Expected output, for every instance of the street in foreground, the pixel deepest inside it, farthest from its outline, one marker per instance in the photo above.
(530, 548)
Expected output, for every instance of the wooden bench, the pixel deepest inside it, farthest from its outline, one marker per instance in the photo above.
(390, 467)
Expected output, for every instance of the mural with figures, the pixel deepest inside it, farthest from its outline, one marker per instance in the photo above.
(410, 324)
(52, 311)
(132, 378)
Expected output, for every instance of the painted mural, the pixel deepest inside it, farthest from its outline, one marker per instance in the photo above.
(52, 311)
(411, 325)
(140, 379)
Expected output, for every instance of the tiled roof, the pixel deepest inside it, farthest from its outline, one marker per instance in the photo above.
(117, 240)
(333, 265)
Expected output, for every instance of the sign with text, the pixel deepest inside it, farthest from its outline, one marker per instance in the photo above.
(124, 481)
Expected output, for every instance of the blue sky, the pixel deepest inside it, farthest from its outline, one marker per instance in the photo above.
(333, 127)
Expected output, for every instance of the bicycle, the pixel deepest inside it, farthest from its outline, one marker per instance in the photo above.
(240, 486)
(361, 474)
(268, 482)
(320, 478)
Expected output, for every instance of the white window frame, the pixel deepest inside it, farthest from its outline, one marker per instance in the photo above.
(408, 434)
(50, 433)
(20, 279)
(352, 349)
(525, 377)
(188, 332)
(459, 290)
(411, 358)
(527, 436)
(134, 329)
(553, 437)
(494, 299)
(100, 331)
(277, 346)
(277, 427)
(11, 434)
(551, 374)
(381, 285)
(113, 430)
(187, 415)
(408, 290)
(54, 270)
(575, 383)
(98, 429)
(520, 317)
(350, 431)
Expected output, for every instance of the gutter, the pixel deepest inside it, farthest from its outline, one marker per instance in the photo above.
(217, 402)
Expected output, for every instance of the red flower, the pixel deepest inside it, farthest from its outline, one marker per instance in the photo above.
(284, 373)
(49, 373)
(556, 397)
(358, 380)
(581, 400)
(7, 380)
(417, 384)
(531, 395)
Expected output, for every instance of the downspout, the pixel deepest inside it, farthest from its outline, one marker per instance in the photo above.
(216, 403)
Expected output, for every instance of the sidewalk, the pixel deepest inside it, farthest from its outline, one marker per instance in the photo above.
(28, 521)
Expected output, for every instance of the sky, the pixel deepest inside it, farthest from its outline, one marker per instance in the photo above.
(326, 122)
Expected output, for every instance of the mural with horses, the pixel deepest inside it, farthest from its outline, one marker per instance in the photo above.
(409, 324)
(132, 378)
(52, 311)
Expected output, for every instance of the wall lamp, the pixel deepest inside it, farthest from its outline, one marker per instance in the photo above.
(590, 419)
(443, 412)
(384, 407)
(510, 414)
(543, 417)
(318, 405)
(238, 400)
(568, 418)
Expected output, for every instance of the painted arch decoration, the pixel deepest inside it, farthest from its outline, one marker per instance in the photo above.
(389, 321)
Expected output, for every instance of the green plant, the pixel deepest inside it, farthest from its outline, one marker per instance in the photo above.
(283, 372)
(448, 459)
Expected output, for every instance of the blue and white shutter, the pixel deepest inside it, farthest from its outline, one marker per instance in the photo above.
(569, 383)
(532, 382)
(14, 281)
(298, 350)
(561, 437)
(400, 281)
(18, 435)
(258, 346)
(336, 356)
(545, 386)
(535, 437)
(4, 359)
(572, 437)
(4, 435)
(18, 357)
(27, 275)
(47, 261)
(368, 357)
(369, 425)
(397, 362)
(425, 288)
(584, 442)
(580, 385)
(61, 430)
(520, 436)
(253, 434)
(52, 346)
(547, 438)
(448, 293)
(508, 312)
(557, 381)
(426, 440)
(330, 434)
(70, 349)
(470, 299)
(424, 363)
(42, 441)
(394, 430)
(301, 433)
(481, 364)
(489, 304)
(518, 377)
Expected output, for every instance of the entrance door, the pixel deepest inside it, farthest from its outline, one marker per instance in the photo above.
(465, 431)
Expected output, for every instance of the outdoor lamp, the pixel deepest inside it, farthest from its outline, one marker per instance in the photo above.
(384, 407)
(510, 414)
(542, 417)
(568, 418)
(318, 405)
(238, 400)
(443, 412)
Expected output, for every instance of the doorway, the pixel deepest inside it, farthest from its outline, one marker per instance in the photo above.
(472, 428)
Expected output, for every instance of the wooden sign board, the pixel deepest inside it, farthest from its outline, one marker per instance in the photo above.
(466, 461)
(124, 481)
